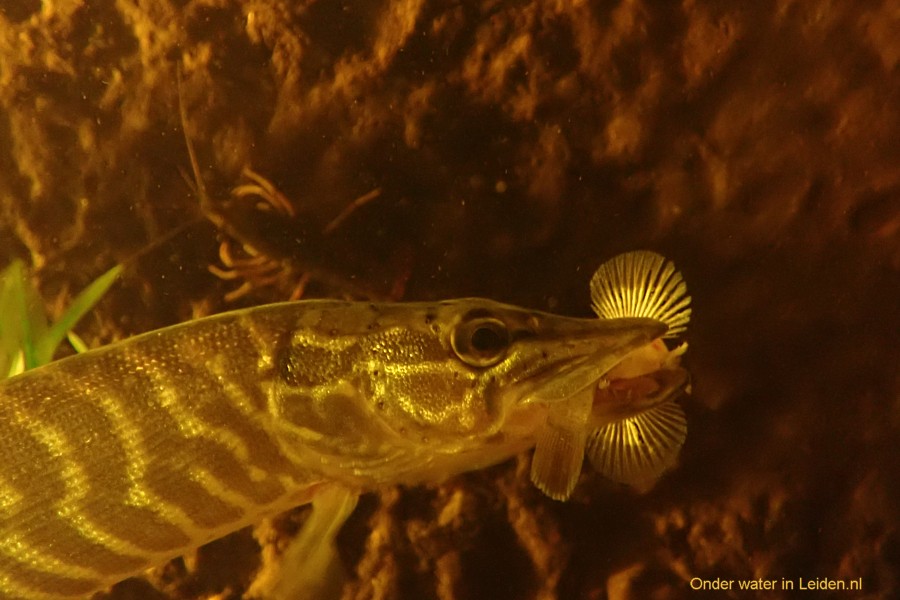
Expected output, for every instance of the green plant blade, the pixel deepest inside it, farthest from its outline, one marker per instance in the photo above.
(22, 319)
(46, 345)
(12, 307)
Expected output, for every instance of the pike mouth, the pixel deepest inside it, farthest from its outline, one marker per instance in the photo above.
(625, 397)
(628, 425)
(577, 364)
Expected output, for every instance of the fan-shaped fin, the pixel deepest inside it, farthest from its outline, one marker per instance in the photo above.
(639, 449)
(642, 284)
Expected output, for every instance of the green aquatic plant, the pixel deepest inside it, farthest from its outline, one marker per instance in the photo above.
(27, 337)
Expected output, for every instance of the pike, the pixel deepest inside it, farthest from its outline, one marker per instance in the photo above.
(123, 457)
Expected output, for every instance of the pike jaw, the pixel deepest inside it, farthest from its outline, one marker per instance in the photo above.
(627, 421)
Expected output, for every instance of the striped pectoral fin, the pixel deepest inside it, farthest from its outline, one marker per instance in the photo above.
(559, 451)
(309, 567)
(639, 449)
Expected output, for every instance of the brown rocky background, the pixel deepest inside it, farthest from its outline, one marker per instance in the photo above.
(510, 148)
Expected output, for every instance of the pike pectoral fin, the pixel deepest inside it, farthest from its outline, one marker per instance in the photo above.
(638, 449)
(559, 452)
(310, 566)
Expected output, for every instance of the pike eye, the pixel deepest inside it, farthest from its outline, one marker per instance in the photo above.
(481, 342)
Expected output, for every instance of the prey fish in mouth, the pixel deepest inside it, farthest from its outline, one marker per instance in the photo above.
(628, 423)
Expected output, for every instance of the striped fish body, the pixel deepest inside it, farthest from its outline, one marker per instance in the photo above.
(118, 459)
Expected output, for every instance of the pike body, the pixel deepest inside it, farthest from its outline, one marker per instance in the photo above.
(123, 457)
